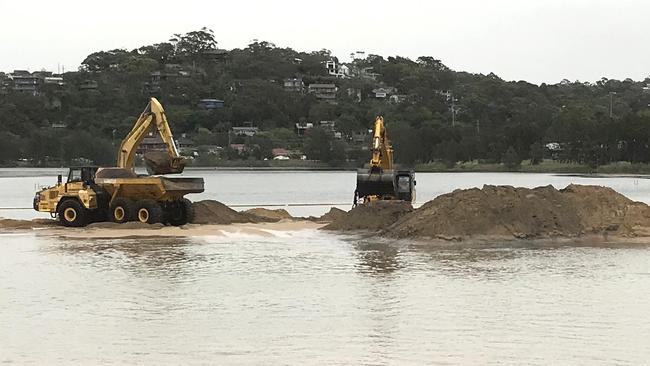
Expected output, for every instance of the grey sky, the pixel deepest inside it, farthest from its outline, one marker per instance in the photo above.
(533, 40)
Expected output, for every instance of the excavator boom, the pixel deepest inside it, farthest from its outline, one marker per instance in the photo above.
(157, 162)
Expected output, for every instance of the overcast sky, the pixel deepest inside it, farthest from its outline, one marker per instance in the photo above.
(534, 40)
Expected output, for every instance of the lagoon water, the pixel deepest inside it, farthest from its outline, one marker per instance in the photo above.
(310, 297)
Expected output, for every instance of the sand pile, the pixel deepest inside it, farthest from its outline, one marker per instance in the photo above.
(332, 215)
(504, 211)
(374, 216)
(264, 214)
(214, 212)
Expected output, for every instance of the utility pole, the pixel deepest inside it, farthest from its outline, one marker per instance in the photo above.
(453, 111)
(611, 104)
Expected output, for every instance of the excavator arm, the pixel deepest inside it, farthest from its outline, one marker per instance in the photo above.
(157, 162)
(382, 152)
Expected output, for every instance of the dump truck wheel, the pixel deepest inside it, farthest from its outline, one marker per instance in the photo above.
(122, 210)
(149, 212)
(181, 213)
(72, 213)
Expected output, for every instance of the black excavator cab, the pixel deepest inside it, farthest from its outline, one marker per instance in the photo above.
(405, 185)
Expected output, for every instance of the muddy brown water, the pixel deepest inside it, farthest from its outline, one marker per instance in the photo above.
(315, 297)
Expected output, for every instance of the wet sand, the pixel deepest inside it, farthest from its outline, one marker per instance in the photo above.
(257, 229)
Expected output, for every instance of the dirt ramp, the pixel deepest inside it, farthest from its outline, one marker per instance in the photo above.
(215, 212)
(374, 216)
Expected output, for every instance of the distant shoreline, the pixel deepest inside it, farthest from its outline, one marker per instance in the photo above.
(545, 167)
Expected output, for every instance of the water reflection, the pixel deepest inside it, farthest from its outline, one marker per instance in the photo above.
(169, 257)
(377, 256)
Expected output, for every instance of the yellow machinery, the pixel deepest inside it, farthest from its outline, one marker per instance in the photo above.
(93, 194)
(157, 162)
(381, 181)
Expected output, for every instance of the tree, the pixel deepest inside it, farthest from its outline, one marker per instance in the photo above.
(536, 153)
(511, 159)
(318, 144)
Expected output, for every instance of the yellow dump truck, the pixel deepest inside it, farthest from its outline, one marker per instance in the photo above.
(118, 194)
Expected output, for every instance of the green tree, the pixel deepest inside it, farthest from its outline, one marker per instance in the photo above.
(511, 159)
(536, 153)
(318, 144)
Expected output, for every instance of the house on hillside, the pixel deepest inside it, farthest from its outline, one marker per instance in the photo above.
(326, 92)
(215, 55)
(302, 128)
(54, 80)
(151, 142)
(88, 85)
(383, 92)
(280, 153)
(294, 85)
(24, 82)
(327, 125)
(336, 69)
(240, 148)
(210, 103)
(398, 98)
(248, 131)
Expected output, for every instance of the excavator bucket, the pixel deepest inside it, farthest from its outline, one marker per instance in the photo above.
(159, 162)
(379, 183)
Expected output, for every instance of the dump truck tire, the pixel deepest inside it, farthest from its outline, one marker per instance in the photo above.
(72, 213)
(148, 212)
(122, 210)
(182, 213)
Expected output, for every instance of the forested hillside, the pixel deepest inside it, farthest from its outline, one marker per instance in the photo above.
(433, 113)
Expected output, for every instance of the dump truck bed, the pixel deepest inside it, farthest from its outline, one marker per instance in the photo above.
(152, 187)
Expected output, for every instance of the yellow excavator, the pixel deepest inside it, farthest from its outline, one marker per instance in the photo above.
(381, 181)
(157, 162)
(118, 194)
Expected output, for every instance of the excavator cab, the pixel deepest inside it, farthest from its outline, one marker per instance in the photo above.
(405, 185)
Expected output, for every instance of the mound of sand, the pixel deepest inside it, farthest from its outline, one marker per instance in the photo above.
(215, 212)
(264, 214)
(505, 211)
(332, 215)
(374, 216)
